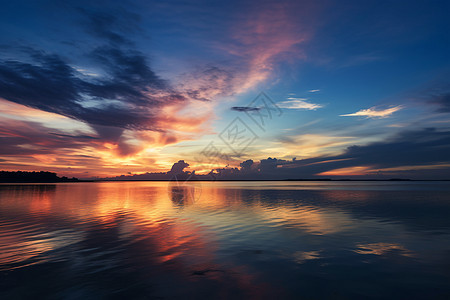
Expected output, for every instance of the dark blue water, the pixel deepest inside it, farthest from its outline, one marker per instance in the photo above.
(221, 240)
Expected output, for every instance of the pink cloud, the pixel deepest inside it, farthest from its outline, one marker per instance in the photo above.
(266, 35)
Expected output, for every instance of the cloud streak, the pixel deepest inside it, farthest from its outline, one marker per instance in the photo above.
(245, 108)
(373, 112)
(298, 103)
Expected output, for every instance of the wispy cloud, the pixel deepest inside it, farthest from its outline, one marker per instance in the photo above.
(373, 112)
(443, 101)
(298, 103)
(264, 35)
(361, 59)
(313, 91)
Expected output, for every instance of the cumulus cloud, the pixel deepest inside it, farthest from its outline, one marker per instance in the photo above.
(178, 167)
(373, 112)
(298, 103)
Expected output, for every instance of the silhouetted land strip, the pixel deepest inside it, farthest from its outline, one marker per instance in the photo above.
(50, 177)
(319, 179)
(32, 177)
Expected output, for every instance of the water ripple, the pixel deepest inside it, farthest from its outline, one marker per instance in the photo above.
(107, 239)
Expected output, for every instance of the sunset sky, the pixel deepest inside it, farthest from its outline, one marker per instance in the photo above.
(101, 88)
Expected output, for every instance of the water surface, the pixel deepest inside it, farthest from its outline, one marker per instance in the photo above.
(240, 240)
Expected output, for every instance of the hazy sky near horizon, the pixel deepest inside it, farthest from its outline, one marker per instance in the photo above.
(103, 88)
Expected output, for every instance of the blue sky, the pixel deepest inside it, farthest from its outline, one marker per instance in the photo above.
(108, 88)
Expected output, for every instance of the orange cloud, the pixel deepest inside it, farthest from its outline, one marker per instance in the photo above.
(34, 139)
(309, 145)
(349, 171)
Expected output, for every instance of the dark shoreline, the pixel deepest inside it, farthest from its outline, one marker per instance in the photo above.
(234, 180)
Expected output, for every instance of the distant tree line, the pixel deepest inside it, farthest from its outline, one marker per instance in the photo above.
(24, 176)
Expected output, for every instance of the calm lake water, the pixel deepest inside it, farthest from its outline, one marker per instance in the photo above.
(220, 240)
